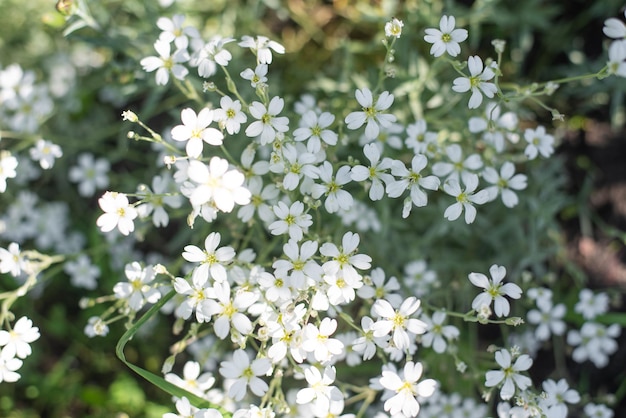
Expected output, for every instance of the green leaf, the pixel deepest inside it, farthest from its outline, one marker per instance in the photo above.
(158, 381)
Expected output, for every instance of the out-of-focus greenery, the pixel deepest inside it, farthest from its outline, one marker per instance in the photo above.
(330, 46)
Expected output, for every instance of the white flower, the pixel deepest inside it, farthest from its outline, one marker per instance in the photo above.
(297, 163)
(438, 334)
(96, 327)
(598, 411)
(212, 259)
(617, 58)
(155, 200)
(371, 113)
(590, 305)
(8, 367)
(313, 128)
(196, 293)
(557, 395)
(210, 55)
(367, 343)
(614, 28)
(465, 199)
(268, 123)
(291, 219)
(420, 140)
(90, 174)
(539, 142)
(186, 410)
(304, 270)
(374, 286)
(217, 185)
(594, 342)
(246, 374)
(45, 152)
(173, 30)
(16, 342)
(457, 165)
(138, 290)
(317, 341)
(336, 197)
(495, 126)
(229, 115)
(257, 76)
(229, 311)
(509, 375)
(393, 28)
(195, 131)
(117, 213)
(477, 82)
(165, 63)
(504, 183)
(413, 180)
(82, 272)
(397, 321)
(262, 47)
(494, 290)
(8, 164)
(320, 389)
(344, 261)
(406, 389)
(11, 260)
(376, 172)
(446, 38)
(549, 320)
(192, 380)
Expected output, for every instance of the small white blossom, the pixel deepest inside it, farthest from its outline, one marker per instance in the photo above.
(539, 142)
(477, 82)
(557, 395)
(438, 335)
(336, 197)
(614, 28)
(291, 219)
(398, 322)
(90, 174)
(8, 164)
(594, 342)
(173, 30)
(446, 38)
(139, 289)
(195, 130)
(509, 376)
(465, 199)
(504, 183)
(371, 113)
(245, 374)
(45, 152)
(16, 342)
(262, 47)
(407, 390)
(268, 123)
(393, 28)
(117, 213)
(166, 63)
(229, 115)
(494, 290)
(590, 305)
(257, 77)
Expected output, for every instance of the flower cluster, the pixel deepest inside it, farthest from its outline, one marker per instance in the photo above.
(287, 253)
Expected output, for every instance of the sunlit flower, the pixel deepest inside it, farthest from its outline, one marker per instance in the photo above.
(245, 374)
(393, 28)
(195, 130)
(138, 290)
(117, 213)
(406, 389)
(268, 123)
(262, 47)
(16, 342)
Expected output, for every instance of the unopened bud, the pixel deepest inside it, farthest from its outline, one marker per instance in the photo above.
(129, 116)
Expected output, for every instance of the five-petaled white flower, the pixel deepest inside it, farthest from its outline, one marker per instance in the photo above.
(268, 123)
(117, 213)
(16, 342)
(138, 290)
(8, 164)
(504, 183)
(398, 321)
(438, 334)
(406, 389)
(336, 197)
(229, 312)
(217, 185)
(494, 290)
(313, 127)
(376, 172)
(262, 47)
(371, 113)
(212, 259)
(195, 130)
(229, 115)
(477, 82)
(291, 219)
(257, 77)
(465, 199)
(539, 142)
(446, 38)
(173, 30)
(509, 375)
(245, 374)
(165, 62)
